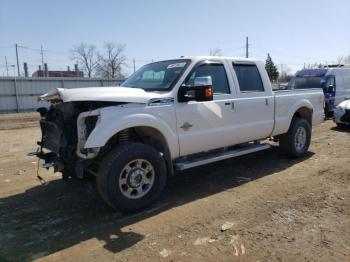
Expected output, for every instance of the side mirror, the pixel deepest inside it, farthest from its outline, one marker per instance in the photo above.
(202, 89)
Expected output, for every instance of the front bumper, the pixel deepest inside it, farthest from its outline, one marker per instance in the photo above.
(341, 116)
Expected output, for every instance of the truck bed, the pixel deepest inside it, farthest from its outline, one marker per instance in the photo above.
(287, 101)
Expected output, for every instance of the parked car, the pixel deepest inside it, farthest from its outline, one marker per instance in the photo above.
(168, 116)
(342, 113)
(334, 81)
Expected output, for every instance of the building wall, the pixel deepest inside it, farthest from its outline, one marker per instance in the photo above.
(40, 73)
(20, 94)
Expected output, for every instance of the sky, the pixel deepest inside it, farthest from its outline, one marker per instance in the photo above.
(293, 32)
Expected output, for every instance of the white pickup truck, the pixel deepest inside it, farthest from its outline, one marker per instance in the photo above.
(171, 115)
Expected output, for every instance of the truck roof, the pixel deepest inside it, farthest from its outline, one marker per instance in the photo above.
(319, 72)
(221, 58)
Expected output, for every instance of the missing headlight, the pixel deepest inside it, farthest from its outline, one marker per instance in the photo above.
(90, 123)
(86, 123)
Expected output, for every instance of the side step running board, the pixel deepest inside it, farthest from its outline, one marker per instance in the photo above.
(210, 158)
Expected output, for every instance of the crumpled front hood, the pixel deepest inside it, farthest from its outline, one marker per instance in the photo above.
(107, 94)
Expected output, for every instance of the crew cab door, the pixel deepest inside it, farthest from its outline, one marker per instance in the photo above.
(254, 103)
(202, 126)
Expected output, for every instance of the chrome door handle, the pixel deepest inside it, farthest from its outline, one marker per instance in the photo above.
(266, 101)
(186, 126)
(230, 103)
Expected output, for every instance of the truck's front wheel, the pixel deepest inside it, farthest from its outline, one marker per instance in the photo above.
(296, 141)
(131, 177)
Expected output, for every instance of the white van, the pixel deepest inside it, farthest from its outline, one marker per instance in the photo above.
(335, 82)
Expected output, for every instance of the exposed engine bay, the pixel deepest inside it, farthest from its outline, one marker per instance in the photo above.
(60, 145)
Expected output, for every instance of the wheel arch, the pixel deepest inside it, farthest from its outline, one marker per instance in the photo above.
(144, 134)
(305, 113)
(153, 137)
(302, 109)
(109, 127)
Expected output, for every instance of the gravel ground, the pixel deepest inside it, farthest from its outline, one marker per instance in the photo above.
(282, 210)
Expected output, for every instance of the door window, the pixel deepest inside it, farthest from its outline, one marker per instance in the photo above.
(249, 78)
(218, 77)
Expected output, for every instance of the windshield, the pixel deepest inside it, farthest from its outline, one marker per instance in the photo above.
(306, 82)
(159, 76)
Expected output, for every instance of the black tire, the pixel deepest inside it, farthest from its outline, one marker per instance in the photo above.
(110, 171)
(287, 143)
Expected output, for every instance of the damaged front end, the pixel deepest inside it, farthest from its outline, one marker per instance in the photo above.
(70, 119)
(65, 127)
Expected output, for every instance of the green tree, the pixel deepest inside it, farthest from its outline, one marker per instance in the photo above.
(271, 68)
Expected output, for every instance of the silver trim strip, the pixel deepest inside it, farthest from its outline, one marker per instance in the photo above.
(220, 156)
(161, 101)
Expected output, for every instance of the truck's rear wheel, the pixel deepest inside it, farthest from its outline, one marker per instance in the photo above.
(131, 177)
(296, 141)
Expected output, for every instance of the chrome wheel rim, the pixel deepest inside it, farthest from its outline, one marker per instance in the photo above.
(300, 139)
(136, 178)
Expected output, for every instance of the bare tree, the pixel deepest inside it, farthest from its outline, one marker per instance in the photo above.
(86, 57)
(343, 59)
(215, 52)
(110, 63)
(313, 66)
(285, 75)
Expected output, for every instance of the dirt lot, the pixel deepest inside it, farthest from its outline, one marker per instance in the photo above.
(290, 210)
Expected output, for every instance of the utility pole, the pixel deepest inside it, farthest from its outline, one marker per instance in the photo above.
(281, 69)
(46, 70)
(25, 67)
(7, 67)
(42, 56)
(133, 60)
(246, 47)
(16, 46)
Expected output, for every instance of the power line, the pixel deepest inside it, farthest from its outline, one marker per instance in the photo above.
(41, 49)
(303, 58)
